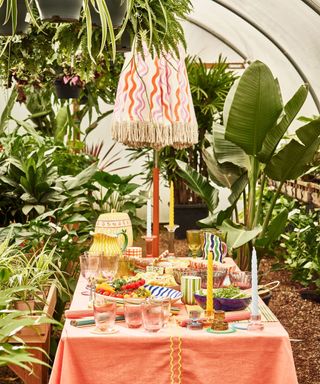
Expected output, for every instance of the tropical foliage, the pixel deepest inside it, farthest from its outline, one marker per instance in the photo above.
(249, 149)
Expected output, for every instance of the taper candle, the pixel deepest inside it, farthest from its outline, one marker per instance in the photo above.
(171, 208)
(254, 288)
(149, 234)
(209, 306)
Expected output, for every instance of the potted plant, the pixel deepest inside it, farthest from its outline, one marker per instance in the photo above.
(235, 160)
(59, 10)
(13, 22)
(68, 85)
(116, 8)
(36, 271)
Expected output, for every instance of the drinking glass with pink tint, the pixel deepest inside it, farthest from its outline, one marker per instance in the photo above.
(104, 311)
(241, 279)
(166, 307)
(133, 313)
(152, 315)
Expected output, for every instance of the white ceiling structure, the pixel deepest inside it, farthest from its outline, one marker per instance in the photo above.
(284, 34)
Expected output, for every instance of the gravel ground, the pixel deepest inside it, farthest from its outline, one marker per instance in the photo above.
(301, 319)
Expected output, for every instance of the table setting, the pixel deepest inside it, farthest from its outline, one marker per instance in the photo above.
(203, 308)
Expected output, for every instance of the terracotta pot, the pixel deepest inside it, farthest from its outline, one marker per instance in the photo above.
(24, 305)
(58, 11)
(66, 91)
(22, 25)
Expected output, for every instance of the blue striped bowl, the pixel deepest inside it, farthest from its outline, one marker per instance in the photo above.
(164, 292)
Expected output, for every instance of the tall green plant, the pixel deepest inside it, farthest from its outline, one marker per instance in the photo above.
(256, 121)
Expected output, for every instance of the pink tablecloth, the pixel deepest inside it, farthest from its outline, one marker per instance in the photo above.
(135, 356)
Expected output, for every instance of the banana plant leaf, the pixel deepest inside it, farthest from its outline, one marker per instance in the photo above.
(275, 229)
(199, 185)
(292, 161)
(274, 136)
(225, 150)
(237, 235)
(255, 107)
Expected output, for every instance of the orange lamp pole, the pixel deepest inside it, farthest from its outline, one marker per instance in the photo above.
(156, 198)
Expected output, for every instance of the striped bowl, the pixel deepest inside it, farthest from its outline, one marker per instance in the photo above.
(163, 292)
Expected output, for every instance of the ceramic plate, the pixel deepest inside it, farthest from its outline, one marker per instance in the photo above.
(164, 292)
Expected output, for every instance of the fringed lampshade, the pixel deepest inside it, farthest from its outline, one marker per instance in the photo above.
(154, 106)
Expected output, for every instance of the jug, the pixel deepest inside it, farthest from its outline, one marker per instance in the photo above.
(107, 245)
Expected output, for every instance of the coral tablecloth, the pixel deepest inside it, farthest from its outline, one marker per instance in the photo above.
(173, 355)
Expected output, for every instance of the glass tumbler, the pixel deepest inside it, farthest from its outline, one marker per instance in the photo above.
(166, 307)
(152, 315)
(104, 311)
(133, 313)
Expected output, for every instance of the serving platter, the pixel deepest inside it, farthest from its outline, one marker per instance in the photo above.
(156, 292)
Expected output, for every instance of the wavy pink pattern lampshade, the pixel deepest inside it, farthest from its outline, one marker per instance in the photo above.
(153, 105)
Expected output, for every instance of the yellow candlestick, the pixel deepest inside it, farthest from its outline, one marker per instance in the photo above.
(171, 211)
(209, 306)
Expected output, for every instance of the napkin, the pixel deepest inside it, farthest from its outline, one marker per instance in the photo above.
(79, 313)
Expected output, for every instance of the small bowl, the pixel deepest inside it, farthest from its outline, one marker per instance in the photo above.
(222, 304)
(241, 279)
(179, 272)
(218, 277)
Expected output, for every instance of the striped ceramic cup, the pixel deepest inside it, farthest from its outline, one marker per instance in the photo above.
(189, 285)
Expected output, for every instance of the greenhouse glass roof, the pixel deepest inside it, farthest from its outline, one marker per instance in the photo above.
(285, 34)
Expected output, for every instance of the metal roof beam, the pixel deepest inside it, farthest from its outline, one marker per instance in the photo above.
(279, 46)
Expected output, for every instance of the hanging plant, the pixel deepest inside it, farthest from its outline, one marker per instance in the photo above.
(59, 10)
(68, 85)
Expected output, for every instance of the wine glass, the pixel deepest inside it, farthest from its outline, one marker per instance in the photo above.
(90, 268)
(194, 242)
(109, 266)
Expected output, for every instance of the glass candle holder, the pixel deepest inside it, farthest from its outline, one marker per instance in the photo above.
(171, 230)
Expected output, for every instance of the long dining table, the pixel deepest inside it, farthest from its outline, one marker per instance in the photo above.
(174, 355)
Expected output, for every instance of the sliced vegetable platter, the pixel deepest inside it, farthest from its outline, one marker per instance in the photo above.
(135, 288)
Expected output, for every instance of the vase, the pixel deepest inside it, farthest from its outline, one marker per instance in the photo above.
(58, 11)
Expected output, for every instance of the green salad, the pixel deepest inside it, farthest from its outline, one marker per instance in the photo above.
(228, 293)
